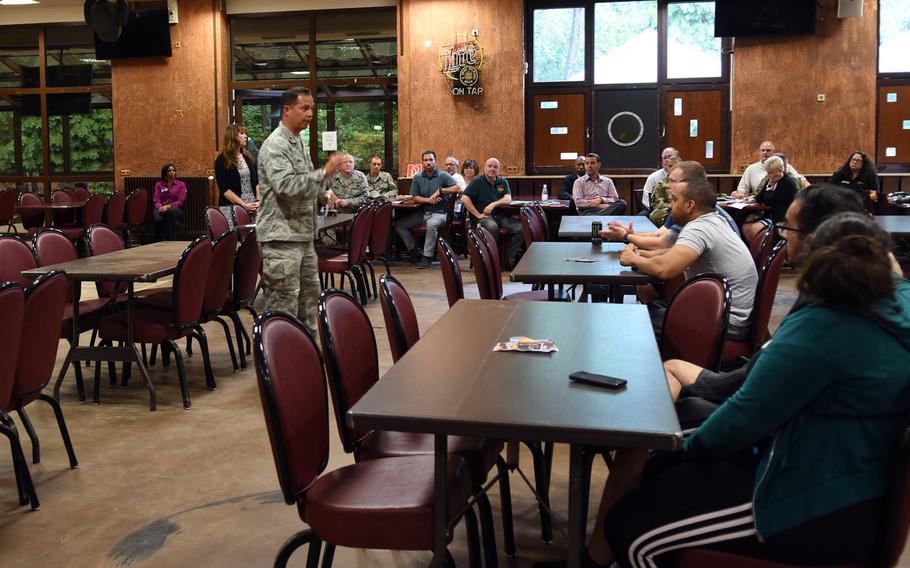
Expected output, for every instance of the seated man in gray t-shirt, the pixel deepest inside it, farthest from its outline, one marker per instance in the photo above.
(705, 244)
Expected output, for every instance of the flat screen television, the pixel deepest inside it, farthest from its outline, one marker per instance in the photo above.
(146, 33)
(59, 76)
(763, 17)
(57, 105)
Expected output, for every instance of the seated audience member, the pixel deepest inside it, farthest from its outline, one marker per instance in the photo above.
(794, 467)
(451, 165)
(469, 170)
(236, 174)
(483, 196)
(654, 194)
(776, 191)
(755, 173)
(705, 244)
(170, 193)
(811, 206)
(595, 194)
(431, 189)
(349, 186)
(382, 185)
(569, 181)
(858, 174)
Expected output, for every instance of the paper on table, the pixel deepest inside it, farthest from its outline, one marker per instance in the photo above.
(580, 259)
(526, 344)
(737, 204)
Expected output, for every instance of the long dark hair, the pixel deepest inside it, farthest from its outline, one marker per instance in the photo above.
(866, 173)
(164, 170)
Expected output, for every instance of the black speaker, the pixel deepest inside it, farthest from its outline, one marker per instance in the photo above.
(106, 18)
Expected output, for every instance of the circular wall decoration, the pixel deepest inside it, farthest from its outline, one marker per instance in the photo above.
(625, 128)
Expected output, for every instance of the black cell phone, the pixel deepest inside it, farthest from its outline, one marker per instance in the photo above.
(598, 380)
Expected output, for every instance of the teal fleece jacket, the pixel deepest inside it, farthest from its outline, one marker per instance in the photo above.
(833, 389)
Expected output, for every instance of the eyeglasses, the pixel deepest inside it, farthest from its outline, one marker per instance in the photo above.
(782, 229)
(451, 164)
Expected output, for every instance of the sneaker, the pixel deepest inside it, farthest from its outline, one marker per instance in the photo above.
(424, 262)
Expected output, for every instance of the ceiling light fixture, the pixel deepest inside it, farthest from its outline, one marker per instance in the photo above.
(300, 72)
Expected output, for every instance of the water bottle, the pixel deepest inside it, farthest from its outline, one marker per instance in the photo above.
(544, 195)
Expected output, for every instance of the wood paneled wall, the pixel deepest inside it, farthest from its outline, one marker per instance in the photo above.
(167, 109)
(429, 116)
(776, 83)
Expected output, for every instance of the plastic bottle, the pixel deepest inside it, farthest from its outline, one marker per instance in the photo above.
(544, 195)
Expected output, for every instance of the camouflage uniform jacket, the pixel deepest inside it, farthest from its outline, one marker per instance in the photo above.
(660, 202)
(288, 189)
(354, 190)
(382, 186)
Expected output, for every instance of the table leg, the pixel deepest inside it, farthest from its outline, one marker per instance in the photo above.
(440, 499)
(551, 293)
(131, 346)
(74, 345)
(576, 525)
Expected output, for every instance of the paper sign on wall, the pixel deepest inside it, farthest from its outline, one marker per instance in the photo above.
(558, 130)
(568, 155)
(891, 97)
(329, 140)
(414, 169)
(693, 128)
(907, 125)
(549, 105)
(709, 149)
(890, 152)
(677, 107)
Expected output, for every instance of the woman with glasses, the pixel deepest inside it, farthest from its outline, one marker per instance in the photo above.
(170, 193)
(776, 191)
(858, 174)
(469, 170)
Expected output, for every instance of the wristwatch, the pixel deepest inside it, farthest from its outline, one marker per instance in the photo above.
(625, 238)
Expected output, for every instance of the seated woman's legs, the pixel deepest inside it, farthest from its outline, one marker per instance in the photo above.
(679, 374)
(750, 230)
(160, 222)
(173, 216)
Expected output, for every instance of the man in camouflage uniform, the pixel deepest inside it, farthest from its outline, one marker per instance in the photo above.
(382, 186)
(286, 223)
(349, 186)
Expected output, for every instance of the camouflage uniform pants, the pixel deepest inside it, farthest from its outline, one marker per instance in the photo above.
(290, 279)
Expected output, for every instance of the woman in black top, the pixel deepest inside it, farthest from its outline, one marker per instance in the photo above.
(235, 172)
(858, 174)
(776, 191)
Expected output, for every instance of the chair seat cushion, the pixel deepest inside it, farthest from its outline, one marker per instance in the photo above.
(150, 325)
(700, 558)
(334, 263)
(382, 504)
(90, 312)
(479, 453)
(538, 296)
(734, 349)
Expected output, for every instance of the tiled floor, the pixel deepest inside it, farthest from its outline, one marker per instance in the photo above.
(198, 487)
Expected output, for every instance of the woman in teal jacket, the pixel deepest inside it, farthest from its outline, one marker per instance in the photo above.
(794, 466)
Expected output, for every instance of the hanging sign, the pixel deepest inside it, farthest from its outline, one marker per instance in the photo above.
(460, 60)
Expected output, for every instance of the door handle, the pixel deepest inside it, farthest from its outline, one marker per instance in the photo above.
(588, 132)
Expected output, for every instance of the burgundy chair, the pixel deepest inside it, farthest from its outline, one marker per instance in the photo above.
(531, 228)
(63, 218)
(15, 256)
(217, 290)
(114, 213)
(379, 240)
(137, 205)
(31, 220)
(349, 264)
(216, 222)
(695, 323)
(544, 222)
(94, 211)
(71, 193)
(102, 239)
(44, 303)
(247, 266)
(241, 216)
(451, 271)
(768, 278)
(757, 247)
(8, 208)
(163, 326)
(12, 306)
(383, 503)
(485, 258)
(82, 194)
(399, 315)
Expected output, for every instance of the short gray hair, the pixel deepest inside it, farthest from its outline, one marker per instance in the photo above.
(774, 163)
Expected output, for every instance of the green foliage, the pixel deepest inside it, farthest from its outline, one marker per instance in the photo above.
(559, 43)
(894, 19)
(616, 23)
(91, 143)
(692, 23)
(7, 143)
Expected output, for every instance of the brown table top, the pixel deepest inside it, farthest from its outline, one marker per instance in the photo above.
(322, 223)
(545, 263)
(147, 263)
(554, 204)
(46, 206)
(897, 225)
(404, 202)
(738, 205)
(451, 382)
(580, 225)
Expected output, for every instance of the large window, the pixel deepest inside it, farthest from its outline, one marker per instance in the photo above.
(625, 42)
(894, 36)
(56, 123)
(348, 58)
(893, 132)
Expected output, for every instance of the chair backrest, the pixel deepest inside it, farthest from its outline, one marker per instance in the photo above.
(382, 227)
(768, 278)
(52, 247)
(44, 303)
(351, 360)
(218, 283)
(115, 209)
(638, 200)
(15, 256)
(190, 279)
(101, 239)
(480, 261)
(450, 216)
(361, 228)
(695, 323)
(216, 222)
(12, 306)
(60, 196)
(292, 389)
(137, 205)
(7, 205)
(399, 315)
(31, 219)
(94, 210)
(241, 216)
(451, 271)
(247, 263)
(531, 229)
(544, 222)
(71, 192)
(757, 246)
(494, 273)
(82, 194)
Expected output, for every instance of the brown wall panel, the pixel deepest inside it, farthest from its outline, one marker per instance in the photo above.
(891, 132)
(705, 107)
(165, 108)
(466, 127)
(776, 81)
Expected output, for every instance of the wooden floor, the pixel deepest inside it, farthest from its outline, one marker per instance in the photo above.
(198, 488)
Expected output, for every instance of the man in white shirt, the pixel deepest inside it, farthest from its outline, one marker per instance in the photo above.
(595, 194)
(748, 184)
(668, 158)
(451, 164)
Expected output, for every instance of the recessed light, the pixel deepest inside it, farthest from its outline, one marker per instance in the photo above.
(300, 72)
(17, 2)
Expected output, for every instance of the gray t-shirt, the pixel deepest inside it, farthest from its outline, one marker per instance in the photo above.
(722, 252)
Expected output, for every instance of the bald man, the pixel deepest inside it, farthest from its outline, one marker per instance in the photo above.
(483, 195)
(755, 173)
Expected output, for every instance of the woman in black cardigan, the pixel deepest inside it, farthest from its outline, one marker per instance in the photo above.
(858, 174)
(235, 172)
